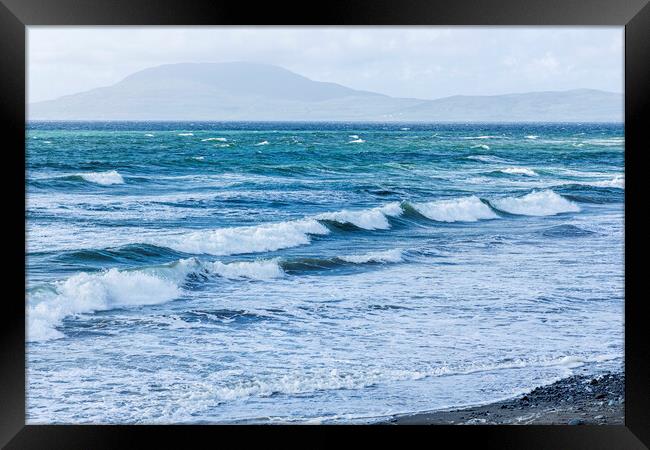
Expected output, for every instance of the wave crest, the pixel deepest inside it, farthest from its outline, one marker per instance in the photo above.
(538, 203)
(254, 270)
(617, 182)
(519, 171)
(368, 219)
(248, 239)
(387, 256)
(104, 178)
(90, 292)
(465, 209)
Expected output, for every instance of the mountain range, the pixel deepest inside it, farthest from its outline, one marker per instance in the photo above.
(242, 91)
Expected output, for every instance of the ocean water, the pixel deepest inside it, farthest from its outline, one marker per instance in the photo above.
(318, 273)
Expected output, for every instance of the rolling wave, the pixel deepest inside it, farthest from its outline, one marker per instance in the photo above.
(269, 237)
(102, 178)
(299, 265)
(113, 289)
(617, 182)
(85, 293)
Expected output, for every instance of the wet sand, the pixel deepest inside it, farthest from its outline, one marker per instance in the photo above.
(577, 400)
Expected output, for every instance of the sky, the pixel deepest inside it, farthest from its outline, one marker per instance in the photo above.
(424, 62)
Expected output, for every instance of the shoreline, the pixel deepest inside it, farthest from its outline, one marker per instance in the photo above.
(576, 400)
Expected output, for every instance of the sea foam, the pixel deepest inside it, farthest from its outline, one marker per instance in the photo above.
(538, 203)
(465, 209)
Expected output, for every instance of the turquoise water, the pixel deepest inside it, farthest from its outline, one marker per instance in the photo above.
(217, 272)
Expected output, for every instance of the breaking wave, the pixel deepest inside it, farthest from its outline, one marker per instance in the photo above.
(538, 203)
(465, 209)
(247, 239)
(103, 178)
(368, 219)
(387, 256)
(113, 289)
(617, 182)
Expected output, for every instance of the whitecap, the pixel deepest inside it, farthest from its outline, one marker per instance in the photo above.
(90, 292)
(531, 136)
(617, 182)
(220, 139)
(481, 137)
(519, 171)
(356, 141)
(246, 239)
(606, 142)
(483, 146)
(104, 178)
(486, 158)
(263, 143)
(186, 134)
(465, 209)
(387, 256)
(368, 219)
(538, 203)
(255, 270)
(85, 293)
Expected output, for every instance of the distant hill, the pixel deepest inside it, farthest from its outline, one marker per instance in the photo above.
(248, 91)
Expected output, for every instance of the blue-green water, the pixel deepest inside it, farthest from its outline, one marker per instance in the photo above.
(211, 272)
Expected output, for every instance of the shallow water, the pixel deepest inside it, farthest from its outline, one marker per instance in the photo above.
(215, 272)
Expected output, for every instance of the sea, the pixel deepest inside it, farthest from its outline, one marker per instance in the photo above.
(214, 272)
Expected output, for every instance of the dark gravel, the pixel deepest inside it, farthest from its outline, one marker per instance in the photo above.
(577, 400)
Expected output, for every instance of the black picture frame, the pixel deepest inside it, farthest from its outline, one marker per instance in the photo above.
(16, 15)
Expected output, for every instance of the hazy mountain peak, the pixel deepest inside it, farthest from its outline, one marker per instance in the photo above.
(243, 78)
(255, 91)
